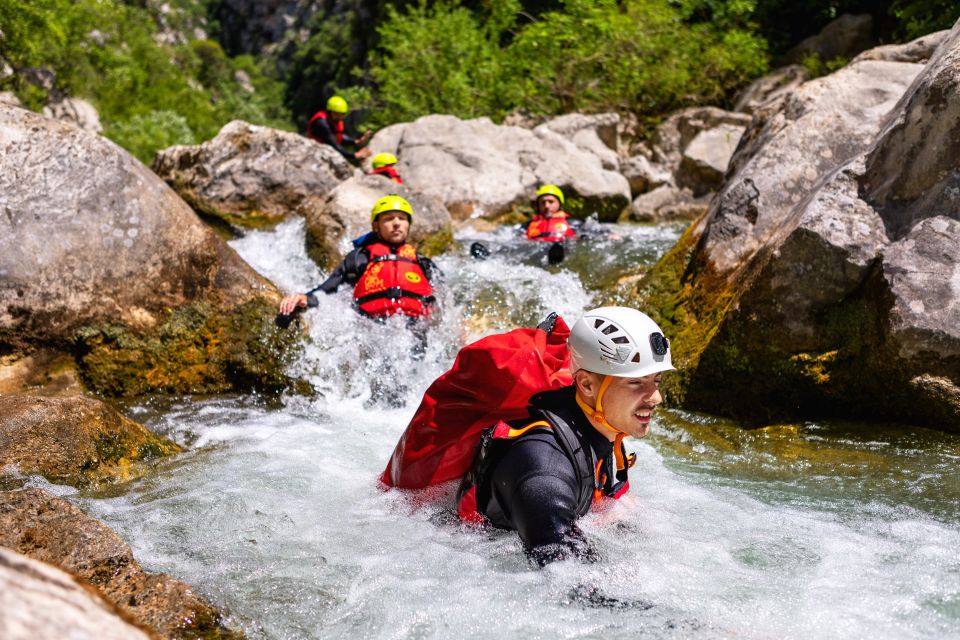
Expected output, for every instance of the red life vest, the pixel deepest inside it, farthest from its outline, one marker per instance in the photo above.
(552, 229)
(390, 172)
(335, 125)
(393, 282)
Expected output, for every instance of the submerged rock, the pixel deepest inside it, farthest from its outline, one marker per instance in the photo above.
(74, 440)
(251, 176)
(477, 168)
(820, 281)
(100, 259)
(345, 214)
(28, 588)
(44, 527)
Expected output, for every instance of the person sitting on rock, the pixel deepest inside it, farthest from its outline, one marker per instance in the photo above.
(539, 474)
(328, 127)
(388, 275)
(384, 164)
(550, 223)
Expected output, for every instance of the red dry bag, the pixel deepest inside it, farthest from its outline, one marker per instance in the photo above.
(491, 380)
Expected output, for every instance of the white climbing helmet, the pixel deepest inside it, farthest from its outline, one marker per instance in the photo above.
(618, 341)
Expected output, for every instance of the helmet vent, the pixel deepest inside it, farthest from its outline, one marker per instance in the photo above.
(611, 328)
(621, 340)
(636, 357)
(597, 323)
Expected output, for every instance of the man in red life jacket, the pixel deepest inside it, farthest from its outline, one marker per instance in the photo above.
(387, 274)
(551, 223)
(384, 164)
(538, 475)
(327, 127)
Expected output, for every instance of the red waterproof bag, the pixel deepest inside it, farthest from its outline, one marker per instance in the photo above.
(491, 380)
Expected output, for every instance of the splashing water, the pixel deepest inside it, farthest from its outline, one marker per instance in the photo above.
(806, 531)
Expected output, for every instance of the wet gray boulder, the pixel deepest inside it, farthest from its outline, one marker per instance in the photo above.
(74, 440)
(823, 281)
(477, 168)
(102, 260)
(28, 588)
(253, 176)
(49, 529)
(345, 214)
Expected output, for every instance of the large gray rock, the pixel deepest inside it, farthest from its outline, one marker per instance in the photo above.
(783, 156)
(250, 175)
(918, 51)
(666, 203)
(827, 277)
(596, 134)
(38, 601)
(644, 175)
(75, 110)
(844, 37)
(672, 137)
(345, 214)
(706, 158)
(477, 168)
(44, 527)
(773, 86)
(98, 256)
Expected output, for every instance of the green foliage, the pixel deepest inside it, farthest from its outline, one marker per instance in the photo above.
(919, 17)
(635, 55)
(148, 95)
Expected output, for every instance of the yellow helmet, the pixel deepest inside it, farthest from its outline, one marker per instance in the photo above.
(336, 104)
(391, 202)
(383, 159)
(550, 190)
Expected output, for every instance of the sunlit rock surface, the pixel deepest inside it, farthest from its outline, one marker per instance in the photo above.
(99, 258)
(345, 214)
(477, 168)
(250, 175)
(38, 600)
(52, 530)
(74, 440)
(824, 278)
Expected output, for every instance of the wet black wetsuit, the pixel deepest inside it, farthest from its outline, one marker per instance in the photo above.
(535, 487)
(321, 130)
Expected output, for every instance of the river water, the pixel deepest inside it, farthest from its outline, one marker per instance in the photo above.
(794, 531)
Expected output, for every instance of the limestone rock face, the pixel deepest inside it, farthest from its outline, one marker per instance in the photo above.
(667, 203)
(773, 86)
(345, 214)
(826, 277)
(99, 257)
(44, 527)
(844, 37)
(75, 110)
(596, 134)
(250, 175)
(29, 588)
(706, 158)
(643, 175)
(672, 137)
(918, 51)
(478, 168)
(74, 440)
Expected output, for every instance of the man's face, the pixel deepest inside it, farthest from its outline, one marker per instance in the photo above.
(628, 403)
(336, 117)
(548, 205)
(392, 226)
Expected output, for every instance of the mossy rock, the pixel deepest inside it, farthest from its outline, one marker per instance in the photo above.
(198, 349)
(75, 440)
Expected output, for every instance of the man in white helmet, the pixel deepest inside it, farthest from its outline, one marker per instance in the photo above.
(542, 473)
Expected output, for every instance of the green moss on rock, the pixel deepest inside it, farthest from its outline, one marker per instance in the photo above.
(198, 349)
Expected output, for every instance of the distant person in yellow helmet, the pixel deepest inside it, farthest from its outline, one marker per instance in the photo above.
(327, 127)
(550, 223)
(388, 275)
(384, 164)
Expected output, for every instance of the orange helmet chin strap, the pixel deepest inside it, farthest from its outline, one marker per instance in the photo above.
(596, 415)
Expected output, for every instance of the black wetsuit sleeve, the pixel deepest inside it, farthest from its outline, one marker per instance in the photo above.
(347, 272)
(536, 487)
(430, 269)
(320, 129)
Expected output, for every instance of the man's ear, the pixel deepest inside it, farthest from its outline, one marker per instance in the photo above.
(587, 384)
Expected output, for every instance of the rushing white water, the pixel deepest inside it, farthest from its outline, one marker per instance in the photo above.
(276, 515)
